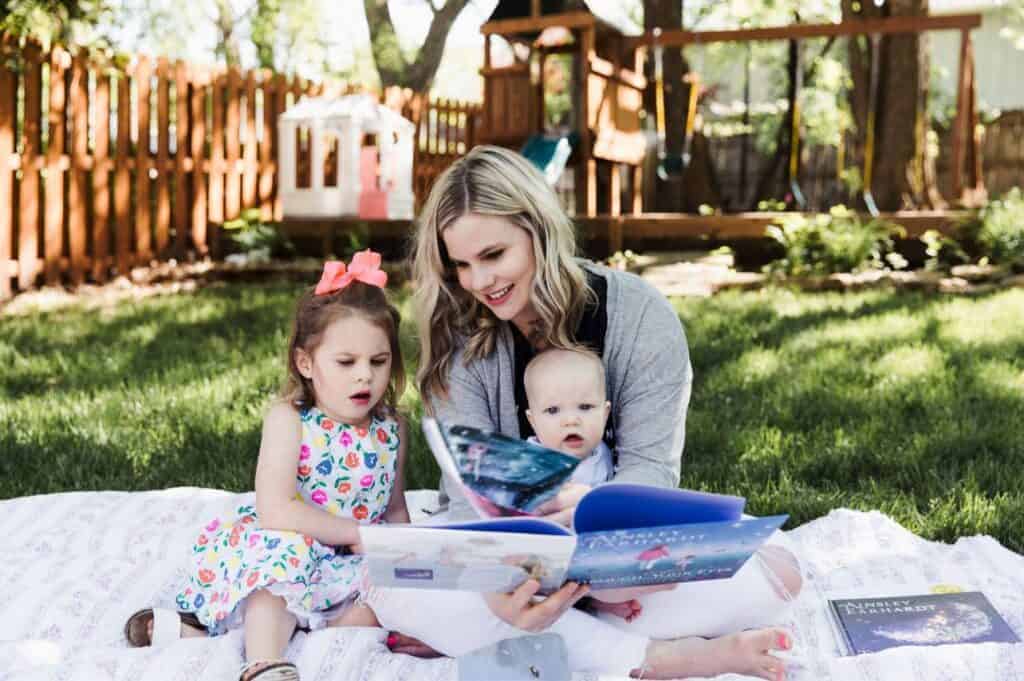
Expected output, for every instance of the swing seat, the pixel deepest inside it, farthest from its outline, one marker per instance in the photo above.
(550, 154)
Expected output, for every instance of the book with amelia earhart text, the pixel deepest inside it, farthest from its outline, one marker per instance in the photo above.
(868, 625)
(625, 535)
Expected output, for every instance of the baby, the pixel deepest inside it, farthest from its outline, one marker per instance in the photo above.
(567, 407)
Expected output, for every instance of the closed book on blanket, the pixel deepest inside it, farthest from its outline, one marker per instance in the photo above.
(626, 535)
(868, 625)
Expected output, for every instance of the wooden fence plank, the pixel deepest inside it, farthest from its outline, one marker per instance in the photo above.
(180, 212)
(198, 129)
(249, 150)
(162, 224)
(53, 233)
(28, 220)
(78, 188)
(266, 148)
(8, 122)
(232, 188)
(216, 177)
(101, 176)
(143, 184)
(280, 102)
(122, 178)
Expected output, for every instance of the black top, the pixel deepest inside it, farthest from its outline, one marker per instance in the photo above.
(590, 332)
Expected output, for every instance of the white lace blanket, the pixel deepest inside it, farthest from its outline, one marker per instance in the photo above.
(74, 566)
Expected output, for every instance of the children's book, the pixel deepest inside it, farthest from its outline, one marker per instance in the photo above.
(868, 625)
(499, 475)
(626, 535)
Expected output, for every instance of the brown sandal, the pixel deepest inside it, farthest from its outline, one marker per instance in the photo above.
(275, 670)
(136, 625)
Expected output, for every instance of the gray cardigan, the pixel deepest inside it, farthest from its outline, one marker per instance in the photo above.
(647, 362)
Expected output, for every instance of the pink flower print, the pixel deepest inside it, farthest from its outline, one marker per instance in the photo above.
(319, 497)
(214, 524)
(254, 539)
(303, 452)
(202, 540)
(366, 481)
(346, 439)
(382, 436)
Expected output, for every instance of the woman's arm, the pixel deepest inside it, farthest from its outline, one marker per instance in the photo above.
(649, 409)
(276, 504)
(396, 511)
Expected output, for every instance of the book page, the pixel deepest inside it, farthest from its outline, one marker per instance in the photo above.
(466, 560)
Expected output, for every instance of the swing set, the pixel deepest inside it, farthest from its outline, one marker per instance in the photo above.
(608, 93)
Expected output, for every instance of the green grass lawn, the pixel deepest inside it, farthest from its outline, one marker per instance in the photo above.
(910, 404)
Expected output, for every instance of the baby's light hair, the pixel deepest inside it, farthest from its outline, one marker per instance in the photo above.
(552, 354)
(314, 313)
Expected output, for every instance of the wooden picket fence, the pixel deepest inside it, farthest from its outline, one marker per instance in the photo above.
(105, 167)
(445, 130)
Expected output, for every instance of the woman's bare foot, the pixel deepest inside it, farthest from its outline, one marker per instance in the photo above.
(746, 652)
(627, 610)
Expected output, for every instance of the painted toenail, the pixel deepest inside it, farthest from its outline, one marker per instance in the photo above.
(392, 640)
(783, 642)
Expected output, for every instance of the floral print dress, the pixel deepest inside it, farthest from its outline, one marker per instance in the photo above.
(343, 470)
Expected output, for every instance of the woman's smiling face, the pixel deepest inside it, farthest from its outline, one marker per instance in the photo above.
(494, 260)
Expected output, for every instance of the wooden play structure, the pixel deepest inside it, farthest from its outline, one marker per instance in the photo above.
(608, 103)
(609, 92)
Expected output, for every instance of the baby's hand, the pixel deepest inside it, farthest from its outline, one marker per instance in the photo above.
(627, 610)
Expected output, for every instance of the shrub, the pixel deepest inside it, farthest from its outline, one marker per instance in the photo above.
(257, 239)
(998, 230)
(838, 241)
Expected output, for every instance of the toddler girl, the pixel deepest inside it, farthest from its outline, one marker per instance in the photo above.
(331, 458)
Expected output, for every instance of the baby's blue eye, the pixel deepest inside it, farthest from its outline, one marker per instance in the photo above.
(551, 411)
(586, 406)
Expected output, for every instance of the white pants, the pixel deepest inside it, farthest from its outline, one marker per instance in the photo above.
(458, 622)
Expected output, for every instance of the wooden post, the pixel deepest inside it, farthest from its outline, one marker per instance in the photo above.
(232, 189)
(143, 228)
(280, 93)
(615, 204)
(180, 156)
(638, 189)
(266, 148)
(8, 120)
(78, 188)
(198, 152)
(487, 106)
(977, 176)
(249, 150)
(101, 177)
(53, 241)
(28, 221)
(960, 122)
(216, 179)
(163, 155)
(122, 179)
(586, 142)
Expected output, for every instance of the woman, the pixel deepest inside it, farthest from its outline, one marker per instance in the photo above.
(497, 280)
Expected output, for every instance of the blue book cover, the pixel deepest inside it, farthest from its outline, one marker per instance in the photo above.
(499, 475)
(869, 625)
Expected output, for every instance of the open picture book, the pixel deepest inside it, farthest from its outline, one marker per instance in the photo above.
(626, 535)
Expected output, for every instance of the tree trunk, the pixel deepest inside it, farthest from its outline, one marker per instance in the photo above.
(392, 66)
(900, 179)
(264, 30)
(227, 42)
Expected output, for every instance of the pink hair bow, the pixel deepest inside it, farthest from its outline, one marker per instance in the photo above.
(365, 267)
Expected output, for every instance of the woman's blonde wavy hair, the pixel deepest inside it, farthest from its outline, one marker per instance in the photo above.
(490, 181)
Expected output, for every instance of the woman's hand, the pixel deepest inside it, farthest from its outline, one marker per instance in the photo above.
(561, 508)
(519, 610)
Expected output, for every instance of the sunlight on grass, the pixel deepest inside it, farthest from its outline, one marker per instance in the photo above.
(802, 403)
(985, 322)
(905, 365)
